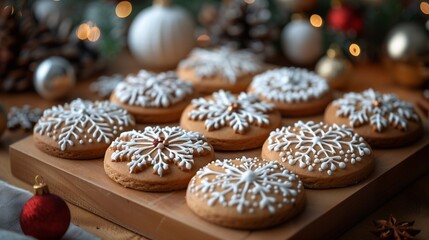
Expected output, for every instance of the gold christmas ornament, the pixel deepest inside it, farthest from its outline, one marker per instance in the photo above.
(411, 75)
(334, 67)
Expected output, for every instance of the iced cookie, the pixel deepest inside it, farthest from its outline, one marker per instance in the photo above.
(231, 122)
(157, 159)
(295, 92)
(80, 129)
(246, 193)
(222, 68)
(153, 98)
(323, 156)
(382, 119)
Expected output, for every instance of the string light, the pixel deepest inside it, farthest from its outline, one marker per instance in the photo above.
(424, 7)
(354, 49)
(123, 9)
(316, 20)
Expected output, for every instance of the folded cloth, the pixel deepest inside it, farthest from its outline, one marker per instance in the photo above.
(12, 199)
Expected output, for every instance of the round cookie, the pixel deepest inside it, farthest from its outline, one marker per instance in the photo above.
(246, 193)
(172, 154)
(231, 122)
(295, 92)
(221, 68)
(80, 129)
(153, 98)
(382, 119)
(323, 156)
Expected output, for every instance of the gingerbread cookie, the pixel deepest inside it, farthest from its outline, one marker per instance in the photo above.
(323, 156)
(222, 68)
(153, 98)
(382, 119)
(295, 92)
(246, 193)
(157, 159)
(80, 129)
(231, 122)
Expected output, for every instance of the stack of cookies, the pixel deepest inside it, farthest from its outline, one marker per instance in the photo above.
(240, 192)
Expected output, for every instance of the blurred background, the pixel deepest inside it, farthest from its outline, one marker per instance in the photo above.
(328, 36)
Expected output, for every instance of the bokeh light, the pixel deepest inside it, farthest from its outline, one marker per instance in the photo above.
(316, 20)
(424, 7)
(94, 34)
(82, 31)
(354, 49)
(123, 9)
(88, 31)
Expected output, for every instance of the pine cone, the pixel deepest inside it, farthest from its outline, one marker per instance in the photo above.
(243, 25)
(25, 42)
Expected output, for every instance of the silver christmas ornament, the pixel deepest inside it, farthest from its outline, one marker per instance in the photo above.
(54, 78)
(407, 42)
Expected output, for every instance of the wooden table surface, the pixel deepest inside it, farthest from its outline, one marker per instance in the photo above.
(412, 203)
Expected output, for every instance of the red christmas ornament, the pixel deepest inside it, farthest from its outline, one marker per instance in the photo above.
(345, 19)
(45, 215)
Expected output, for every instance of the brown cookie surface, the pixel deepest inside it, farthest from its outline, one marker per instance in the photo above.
(295, 92)
(324, 156)
(222, 68)
(383, 120)
(153, 98)
(245, 193)
(231, 122)
(157, 159)
(80, 129)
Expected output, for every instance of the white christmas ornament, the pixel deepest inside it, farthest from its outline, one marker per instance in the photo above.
(301, 42)
(54, 78)
(161, 35)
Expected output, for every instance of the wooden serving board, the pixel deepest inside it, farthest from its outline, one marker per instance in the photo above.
(165, 215)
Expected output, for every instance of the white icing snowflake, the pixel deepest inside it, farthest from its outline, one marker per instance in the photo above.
(230, 63)
(148, 89)
(105, 85)
(246, 184)
(289, 85)
(96, 121)
(225, 109)
(159, 147)
(378, 109)
(318, 146)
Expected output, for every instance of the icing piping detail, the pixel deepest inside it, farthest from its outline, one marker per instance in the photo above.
(231, 64)
(377, 109)
(147, 89)
(318, 146)
(247, 184)
(289, 85)
(225, 109)
(159, 147)
(99, 121)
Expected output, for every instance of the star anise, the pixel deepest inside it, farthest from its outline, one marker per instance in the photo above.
(24, 118)
(392, 229)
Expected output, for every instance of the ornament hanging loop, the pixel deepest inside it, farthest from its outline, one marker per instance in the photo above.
(40, 187)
